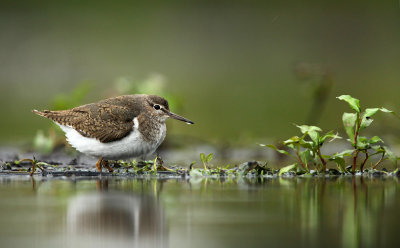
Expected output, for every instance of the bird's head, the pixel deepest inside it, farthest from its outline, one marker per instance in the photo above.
(159, 107)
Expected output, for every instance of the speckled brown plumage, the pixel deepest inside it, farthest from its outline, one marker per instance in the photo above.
(110, 119)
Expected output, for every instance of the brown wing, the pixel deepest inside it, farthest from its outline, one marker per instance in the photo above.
(108, 120)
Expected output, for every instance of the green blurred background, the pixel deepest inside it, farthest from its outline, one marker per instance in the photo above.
(242, 70)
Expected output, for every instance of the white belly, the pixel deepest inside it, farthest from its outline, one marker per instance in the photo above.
(130, 146)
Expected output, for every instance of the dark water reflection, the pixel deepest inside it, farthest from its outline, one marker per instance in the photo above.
(301, 212)
(115, 219)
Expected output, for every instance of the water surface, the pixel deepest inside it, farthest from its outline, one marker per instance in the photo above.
(273, 212)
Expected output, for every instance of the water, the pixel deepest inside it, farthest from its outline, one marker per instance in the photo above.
(120, 212)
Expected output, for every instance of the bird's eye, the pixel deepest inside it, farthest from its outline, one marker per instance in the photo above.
(156, 107)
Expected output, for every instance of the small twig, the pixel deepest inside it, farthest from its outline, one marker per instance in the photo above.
(159, 165)
(322, 160)
(379, 161)
(358, 124)
(365, 161)
(355, 160)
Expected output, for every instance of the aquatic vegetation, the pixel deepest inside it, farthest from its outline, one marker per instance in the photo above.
(306, 149)
(156, 169)
(206, 159)
(353, 124)
(147, 169)
(35, 164)
(133, 168)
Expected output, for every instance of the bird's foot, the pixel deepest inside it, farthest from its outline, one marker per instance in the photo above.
(107, 165)
(101, 162)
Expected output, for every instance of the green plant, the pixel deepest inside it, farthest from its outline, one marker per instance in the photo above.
(35, 164)
(206, 160)
(308, 151)
(356, 122)
(307, 148)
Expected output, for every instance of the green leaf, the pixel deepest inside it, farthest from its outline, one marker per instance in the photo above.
(330, 135)
(291, 146)
(278, 150)
(379, 149)
(287, 169)
(338, 158)
(341, 164)
(343, 153)
(293, 140)
(353, 102)
(312, 131)
(349, 121)
(314, 137)
(366, 122)
(362, 142)
(370, 112)
(43, 164)
(307, 144)
(203, 158)
(306, 156)
(209, 157)
(385, 110)
(375, 139)
(392, 157)
(307, 129)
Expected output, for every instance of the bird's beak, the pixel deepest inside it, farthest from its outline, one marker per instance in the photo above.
(178, 117)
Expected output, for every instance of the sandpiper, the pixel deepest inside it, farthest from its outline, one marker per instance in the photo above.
(116, 128)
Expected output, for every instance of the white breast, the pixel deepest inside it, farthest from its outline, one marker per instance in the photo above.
(130, 146)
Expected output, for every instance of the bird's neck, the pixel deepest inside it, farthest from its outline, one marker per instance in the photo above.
(150, 127)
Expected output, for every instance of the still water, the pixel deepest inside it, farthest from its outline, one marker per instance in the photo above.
(273, 212)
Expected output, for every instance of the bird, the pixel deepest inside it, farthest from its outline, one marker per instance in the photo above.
(121, 127)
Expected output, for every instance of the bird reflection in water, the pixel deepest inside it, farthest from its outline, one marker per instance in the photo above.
(115, 219)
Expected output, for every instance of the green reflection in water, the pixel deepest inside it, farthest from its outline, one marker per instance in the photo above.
(342, 211)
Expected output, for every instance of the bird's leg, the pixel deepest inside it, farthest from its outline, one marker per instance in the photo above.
(99, 164)
(105, 163)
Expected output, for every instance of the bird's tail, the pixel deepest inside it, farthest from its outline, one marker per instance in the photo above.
(44, 113)
(63, 117)
(53, 115)
(38, 112)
